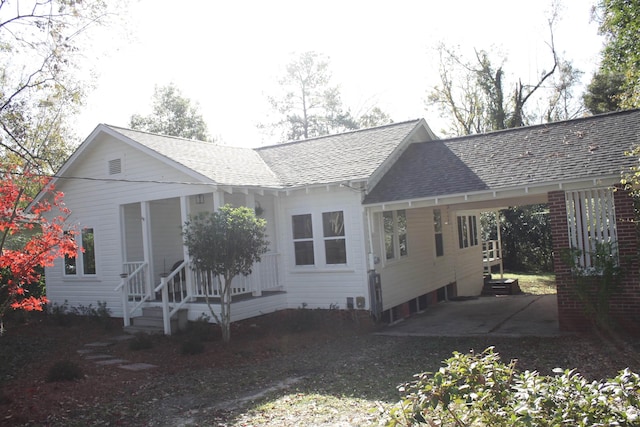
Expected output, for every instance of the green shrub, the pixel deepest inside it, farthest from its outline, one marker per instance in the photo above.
(140, 341)
(480, 390)
(192, 346)
(64, 370)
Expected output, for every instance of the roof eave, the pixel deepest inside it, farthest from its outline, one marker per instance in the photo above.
(496, 195)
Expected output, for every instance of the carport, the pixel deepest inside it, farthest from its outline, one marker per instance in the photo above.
(573, 166)
(505, 316)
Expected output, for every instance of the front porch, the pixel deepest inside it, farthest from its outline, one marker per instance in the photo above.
(156, 268)
(186, 289)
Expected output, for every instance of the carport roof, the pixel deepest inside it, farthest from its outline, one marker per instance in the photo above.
(590, 148)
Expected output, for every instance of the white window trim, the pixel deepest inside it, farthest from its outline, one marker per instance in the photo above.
(476, 238)
(397, 256)
(80, 273)
(319, 255)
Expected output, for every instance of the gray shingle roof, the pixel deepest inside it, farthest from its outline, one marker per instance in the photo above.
(587, 148)
(224, 165)
(329, 159)
(334, 158)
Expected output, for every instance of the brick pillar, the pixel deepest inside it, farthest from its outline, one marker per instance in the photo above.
(570, 314)
(625, 304)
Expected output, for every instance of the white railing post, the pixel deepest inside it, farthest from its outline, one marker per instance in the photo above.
(256, 281)
(166, 320)
(124, 282)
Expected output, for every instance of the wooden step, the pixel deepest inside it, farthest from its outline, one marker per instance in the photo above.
(501, 287)
(151, 321)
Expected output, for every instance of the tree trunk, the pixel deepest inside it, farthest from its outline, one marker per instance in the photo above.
(225, 311)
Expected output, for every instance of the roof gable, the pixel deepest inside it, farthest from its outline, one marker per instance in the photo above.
(349, 156)
(586, 148)
(224, 165)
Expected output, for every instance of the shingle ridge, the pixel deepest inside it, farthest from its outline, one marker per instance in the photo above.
(334, 135)
(539, 125)
(178, 138)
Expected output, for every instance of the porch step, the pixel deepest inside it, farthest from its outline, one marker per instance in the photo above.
(152, 322)
(501, 287)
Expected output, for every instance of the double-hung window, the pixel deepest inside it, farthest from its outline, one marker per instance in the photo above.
(84, 263)
(467, 231)
(395, 234)
(335, 247)
(303, 239)
(324, 232)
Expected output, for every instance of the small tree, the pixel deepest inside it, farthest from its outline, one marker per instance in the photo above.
(225, 244)
(29, 240)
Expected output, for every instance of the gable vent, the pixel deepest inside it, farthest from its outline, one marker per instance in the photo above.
(115, 166)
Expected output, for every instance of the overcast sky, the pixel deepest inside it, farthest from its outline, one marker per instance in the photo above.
(228, 55)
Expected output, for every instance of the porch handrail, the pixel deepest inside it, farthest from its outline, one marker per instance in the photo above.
(184, 291)
(137, 275)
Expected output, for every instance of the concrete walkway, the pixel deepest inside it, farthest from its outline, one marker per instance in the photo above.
(507, 316)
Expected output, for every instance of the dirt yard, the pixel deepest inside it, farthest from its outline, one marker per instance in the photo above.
(279, 370)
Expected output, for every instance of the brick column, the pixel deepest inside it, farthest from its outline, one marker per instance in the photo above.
(570, 314)
(625, 304)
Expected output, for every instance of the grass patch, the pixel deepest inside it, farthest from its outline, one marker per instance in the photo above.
(323, 409)
(534, 283)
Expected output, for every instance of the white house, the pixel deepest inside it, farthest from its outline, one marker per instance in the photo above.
(383, 219)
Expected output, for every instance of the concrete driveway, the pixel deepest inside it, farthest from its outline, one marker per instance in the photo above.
(508, 316)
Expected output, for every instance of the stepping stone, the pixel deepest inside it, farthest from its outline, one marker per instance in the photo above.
(98, 356)
(112, 361)
(137, 366)
(122, 337)
(98, 344)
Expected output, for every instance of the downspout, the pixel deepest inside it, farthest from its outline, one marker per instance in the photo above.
(371, 256)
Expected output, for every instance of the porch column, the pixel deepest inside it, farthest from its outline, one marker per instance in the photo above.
(254, 279)
(145, 210)
(185, 211)
(499, 252)
(218, 200)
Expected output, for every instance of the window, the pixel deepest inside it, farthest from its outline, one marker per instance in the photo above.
(395, 234)
(334, 239)
(70, 263)
(86, 256)
(437, 232)
(303, 239)
(592, 222)
(89, 254)
(329, 233)
(467, 231)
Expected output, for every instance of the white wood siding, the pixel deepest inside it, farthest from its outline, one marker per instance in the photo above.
(134, 250)
(96, 204)
(322, 286)
(421, 271)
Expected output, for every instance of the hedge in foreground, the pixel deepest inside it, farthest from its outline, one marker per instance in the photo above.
(480, 390)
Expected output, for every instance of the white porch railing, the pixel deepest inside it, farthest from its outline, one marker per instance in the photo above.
(491, 255)
(263, 278)
(183, 285)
